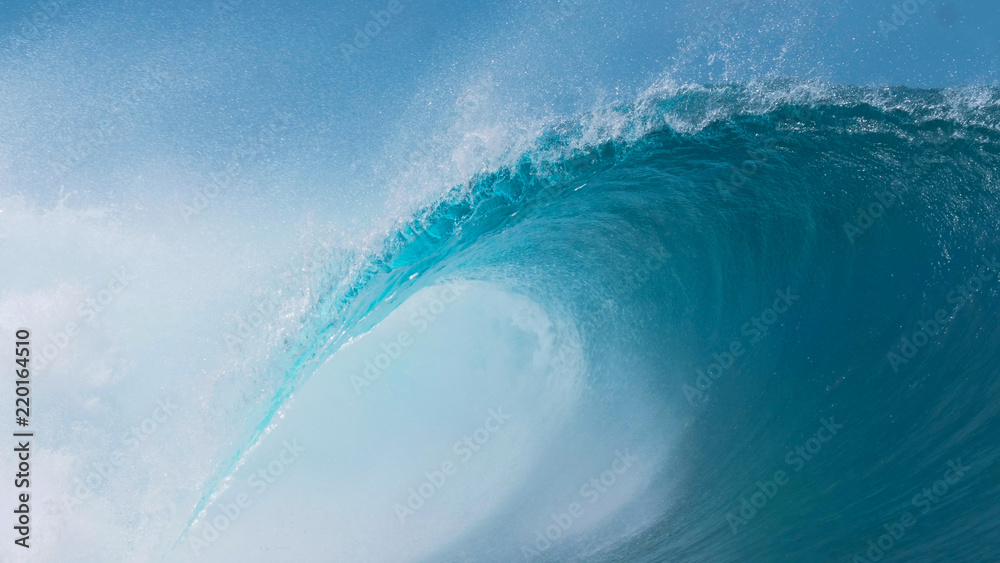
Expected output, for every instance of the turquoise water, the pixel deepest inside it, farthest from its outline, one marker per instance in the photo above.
(505, 281)
(730, 303)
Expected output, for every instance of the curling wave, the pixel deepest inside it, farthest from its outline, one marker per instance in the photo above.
(673, 331)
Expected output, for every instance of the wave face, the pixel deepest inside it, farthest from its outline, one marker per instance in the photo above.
(777, 302)
(747, 322)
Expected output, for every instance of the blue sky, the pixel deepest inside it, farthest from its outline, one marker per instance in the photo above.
(235, 66)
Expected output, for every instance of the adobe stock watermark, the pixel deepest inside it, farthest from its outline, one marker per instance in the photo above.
(87, 311)
(556, 11)
(422, 151)
(902, 13)
(735, 178)
(74, 153)
(629, 282)
(464, 449)
(252, 323)
(706, 34)
(248, 151)
(592, 491)
(738, 177)
(635, 279)
(639, 276)
(420, 319)
(225, 7)
(42, 14)
(259, 481)
(266, 312)
(868, 215)
(318, 257)
(754, 329)
(473, 98)
(767, 490)
(958, 297)
(926, 500)
(101, 472)
(365, 34)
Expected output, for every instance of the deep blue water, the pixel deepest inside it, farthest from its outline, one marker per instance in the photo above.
(804, 292)
(737, 289)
